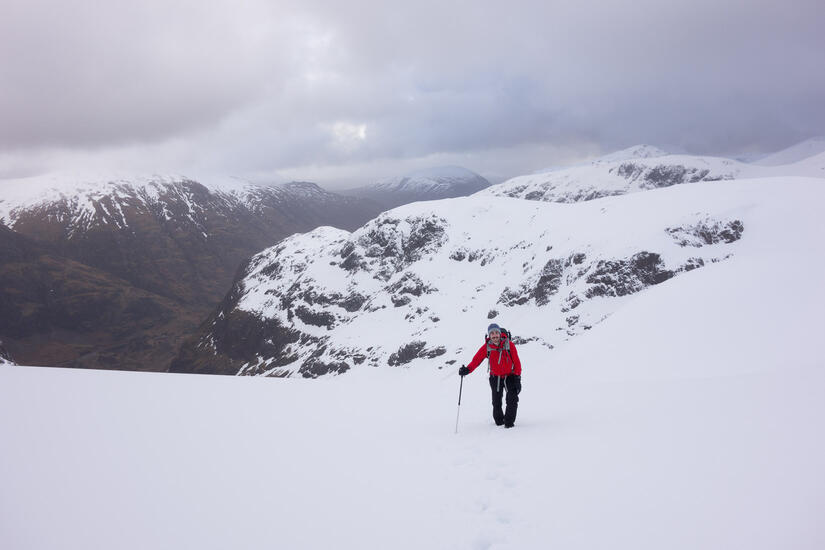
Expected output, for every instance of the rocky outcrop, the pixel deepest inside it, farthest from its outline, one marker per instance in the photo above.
(617, 175)
(5, 356)
(707, 231)
(329, 301)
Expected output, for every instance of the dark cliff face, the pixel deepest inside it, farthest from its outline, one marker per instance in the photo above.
(123, 288)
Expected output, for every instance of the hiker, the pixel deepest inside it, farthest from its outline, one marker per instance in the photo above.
(505, 372)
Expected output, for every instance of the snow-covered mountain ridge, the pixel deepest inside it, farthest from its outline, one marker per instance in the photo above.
(432, 180)
(640, 169)
(418, 282)
(429, 184)
(82, 203)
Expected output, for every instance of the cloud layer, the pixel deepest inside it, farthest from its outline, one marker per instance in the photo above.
(367, 88)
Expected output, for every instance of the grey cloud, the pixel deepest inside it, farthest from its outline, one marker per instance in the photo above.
(263, 88)
(91, 74)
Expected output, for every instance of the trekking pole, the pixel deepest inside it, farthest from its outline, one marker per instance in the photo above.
(460, 387)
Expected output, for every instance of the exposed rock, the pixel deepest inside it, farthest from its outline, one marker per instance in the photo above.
(663, 175)
(353, 302)
(414, 350)
(315, 318)
(707, 232)
(410, 284)
(399, 301)
(459, 255)
(5, 356)
(549, 281)
(623, 277)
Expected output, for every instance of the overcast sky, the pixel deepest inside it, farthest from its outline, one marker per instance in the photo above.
(345, 93)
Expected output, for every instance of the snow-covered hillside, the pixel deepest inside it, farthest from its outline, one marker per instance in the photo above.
(441, 182)
(795, 153)
(418, 284)
(442, 179)
(640, 169)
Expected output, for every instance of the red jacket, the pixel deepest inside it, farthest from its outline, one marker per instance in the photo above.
(501, 363)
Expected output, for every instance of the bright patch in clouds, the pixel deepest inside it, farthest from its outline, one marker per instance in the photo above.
(348, 135)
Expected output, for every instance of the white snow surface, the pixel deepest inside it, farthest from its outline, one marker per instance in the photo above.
(641, 169)
(690, 418)
(795, 153)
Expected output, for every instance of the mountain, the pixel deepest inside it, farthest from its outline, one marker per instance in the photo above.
(639, 169)
(424, 185)
(59, 312)
(420, 282)
(795, 153)
(174, 241)
(171, 235)
(641, 151)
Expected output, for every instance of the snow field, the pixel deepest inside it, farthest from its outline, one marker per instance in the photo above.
(666, 427)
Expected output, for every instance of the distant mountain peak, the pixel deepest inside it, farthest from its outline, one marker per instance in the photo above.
(438, 179)
(439, 182)
(641, 151)
(644, 168)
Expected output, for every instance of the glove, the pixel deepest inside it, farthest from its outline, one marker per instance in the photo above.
(463, 371)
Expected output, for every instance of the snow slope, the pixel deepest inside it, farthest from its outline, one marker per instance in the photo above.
(795, 153)
(691, 418)
(640, 169)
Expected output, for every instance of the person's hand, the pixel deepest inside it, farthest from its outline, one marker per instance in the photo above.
(463, 371)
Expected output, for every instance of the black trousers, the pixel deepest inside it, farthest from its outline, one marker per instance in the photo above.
(512, 384)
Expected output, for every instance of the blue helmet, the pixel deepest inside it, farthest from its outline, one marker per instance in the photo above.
(493, 327)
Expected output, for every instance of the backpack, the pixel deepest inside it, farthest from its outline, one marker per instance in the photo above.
(505, 346)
